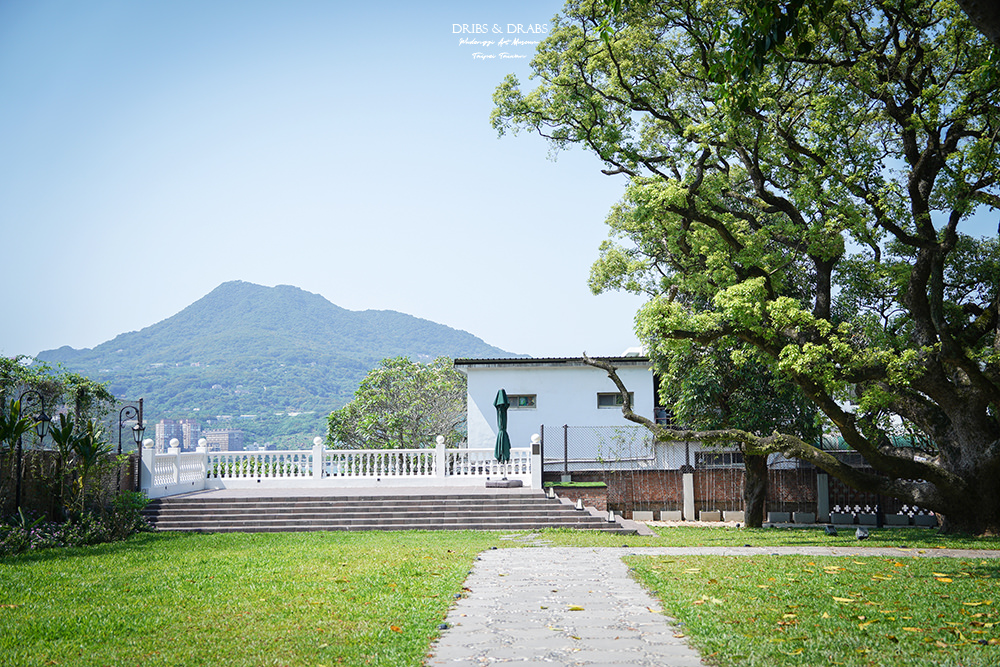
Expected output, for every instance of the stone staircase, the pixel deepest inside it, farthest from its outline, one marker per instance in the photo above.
(500, 511)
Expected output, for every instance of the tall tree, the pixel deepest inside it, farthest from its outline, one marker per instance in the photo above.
(403, 404)
(722, 387)
(820, 218)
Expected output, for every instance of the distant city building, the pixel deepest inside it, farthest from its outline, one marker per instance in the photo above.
(224, 440)
(192, 432)
(166, 430)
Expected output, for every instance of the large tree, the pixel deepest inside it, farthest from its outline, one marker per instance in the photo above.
(818, 218)
(403, 404)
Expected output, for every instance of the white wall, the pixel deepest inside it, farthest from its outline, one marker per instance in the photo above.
(566, 394)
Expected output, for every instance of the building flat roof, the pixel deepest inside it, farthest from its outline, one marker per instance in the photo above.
(550, 361)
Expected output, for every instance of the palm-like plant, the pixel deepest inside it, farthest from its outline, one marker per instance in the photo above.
(13, 425)
(63, 436)
(90, 447)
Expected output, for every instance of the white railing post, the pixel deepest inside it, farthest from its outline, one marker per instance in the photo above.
(440, 459)
(536, 461)
(203, 460)
(175, 450)
(318, 453)
(148, 465)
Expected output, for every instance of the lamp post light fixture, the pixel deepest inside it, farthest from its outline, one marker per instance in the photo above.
(41, 424)
(137, 431)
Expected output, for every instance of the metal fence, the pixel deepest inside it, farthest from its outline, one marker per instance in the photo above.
(597, 448)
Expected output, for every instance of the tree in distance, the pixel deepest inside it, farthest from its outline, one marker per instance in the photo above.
(818, 219)
(403, 404)
(706, 388)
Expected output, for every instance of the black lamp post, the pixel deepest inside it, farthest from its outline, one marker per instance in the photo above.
(125, 414)
(41, 424)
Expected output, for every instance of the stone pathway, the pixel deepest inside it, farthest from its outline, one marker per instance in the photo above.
(558, 607)
(578, 606)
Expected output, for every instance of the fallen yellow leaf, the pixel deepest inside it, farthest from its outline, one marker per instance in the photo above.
(977, 604)
(574, 607)
(944, 580)
(845, 600)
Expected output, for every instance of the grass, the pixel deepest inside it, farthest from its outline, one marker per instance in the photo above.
(235, 599)
(793, 610)
(378, 598)
(725, 536)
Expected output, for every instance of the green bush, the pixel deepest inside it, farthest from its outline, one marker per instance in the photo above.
(117, 522)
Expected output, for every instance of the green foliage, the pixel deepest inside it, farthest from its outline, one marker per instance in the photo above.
(57, 387)
(114, 524)
(13, 424)
(724, 387)
(403, 404)
(816, 219)
(92, 451)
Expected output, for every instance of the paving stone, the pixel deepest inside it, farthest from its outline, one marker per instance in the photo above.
(526, 616)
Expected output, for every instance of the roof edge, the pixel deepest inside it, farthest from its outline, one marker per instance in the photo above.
(549, 361)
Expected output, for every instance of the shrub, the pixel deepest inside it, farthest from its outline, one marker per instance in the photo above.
(117, 522)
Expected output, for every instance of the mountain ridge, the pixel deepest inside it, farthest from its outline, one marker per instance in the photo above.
(247, 349)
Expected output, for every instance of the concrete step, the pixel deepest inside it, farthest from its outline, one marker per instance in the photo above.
(610, 528)
(430, 512)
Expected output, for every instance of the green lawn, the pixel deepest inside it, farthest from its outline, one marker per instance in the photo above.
(378, 598)
(723, 536)
(234, 599)
(795, 610)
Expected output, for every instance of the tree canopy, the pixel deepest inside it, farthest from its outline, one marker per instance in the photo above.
(403, 404)
(819, 218)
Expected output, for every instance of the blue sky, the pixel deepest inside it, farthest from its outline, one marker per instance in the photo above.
(153, 150)
(150, 151)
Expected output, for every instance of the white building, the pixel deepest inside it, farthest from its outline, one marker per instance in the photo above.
(553, 392)
(580, 409)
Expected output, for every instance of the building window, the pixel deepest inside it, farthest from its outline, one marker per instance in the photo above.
(613, 400)
(521, 401)
(718, 459)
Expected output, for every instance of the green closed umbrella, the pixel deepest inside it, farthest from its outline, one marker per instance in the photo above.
(502, 451)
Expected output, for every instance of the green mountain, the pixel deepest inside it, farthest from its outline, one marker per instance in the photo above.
(251, 355)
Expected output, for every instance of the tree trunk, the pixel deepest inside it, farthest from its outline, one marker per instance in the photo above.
(755, 488)
(985, 15)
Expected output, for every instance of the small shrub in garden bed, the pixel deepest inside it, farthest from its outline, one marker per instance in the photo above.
(115, 523)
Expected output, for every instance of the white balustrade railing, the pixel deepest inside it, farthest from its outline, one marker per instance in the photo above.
(378, 463)
(179, 472)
